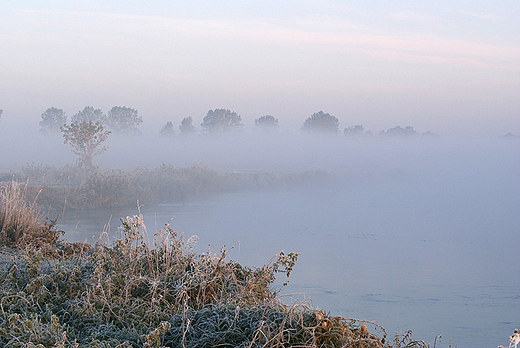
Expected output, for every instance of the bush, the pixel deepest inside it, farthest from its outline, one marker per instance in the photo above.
(133, 294)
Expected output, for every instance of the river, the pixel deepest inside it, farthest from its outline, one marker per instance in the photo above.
(433, 248)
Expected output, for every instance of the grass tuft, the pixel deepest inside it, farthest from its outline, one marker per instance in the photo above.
(21, 221)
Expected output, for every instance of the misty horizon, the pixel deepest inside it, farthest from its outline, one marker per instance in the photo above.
(10, 123)
(419, 131)
(443, 67)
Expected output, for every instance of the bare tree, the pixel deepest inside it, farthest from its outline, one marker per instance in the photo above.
(85, 140)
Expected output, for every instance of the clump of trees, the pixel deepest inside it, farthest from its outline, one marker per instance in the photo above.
(221, 121)
(399, 132)
(321, 122)
(126, 120)
(167, 130)
(429, 134)
(122, 119)
(187, 127)
(89, 114)
(356, 131)
(406, 132)
(267, 123)
(85, 140)
(52, 119)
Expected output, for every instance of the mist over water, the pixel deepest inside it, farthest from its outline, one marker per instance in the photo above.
(417, 234)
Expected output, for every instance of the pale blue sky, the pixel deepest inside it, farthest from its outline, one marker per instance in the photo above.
(434, 65)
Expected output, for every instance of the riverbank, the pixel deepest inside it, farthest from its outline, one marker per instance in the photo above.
(73, 187)
(132, 294)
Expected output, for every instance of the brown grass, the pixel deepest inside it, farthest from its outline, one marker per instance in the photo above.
(22, 222)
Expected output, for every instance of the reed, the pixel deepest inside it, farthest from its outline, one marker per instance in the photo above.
(21, 222)
(70, 187)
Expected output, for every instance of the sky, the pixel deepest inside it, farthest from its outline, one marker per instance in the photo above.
(444, 66)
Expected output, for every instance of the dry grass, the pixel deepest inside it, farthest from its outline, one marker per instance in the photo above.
(21, 221)
(162, 294)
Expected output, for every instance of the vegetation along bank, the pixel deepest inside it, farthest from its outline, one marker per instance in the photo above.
(76, 187)
(131, 294)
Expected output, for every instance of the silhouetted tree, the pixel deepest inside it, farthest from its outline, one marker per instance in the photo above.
(167, 130)
(1, 111)
(429, 134)
(85, 139)
(221, 121)
(355, 131)
(509, 135)
(321, 122)
(187, 126)
(267, 123)
(399, 132)
(89, 114)
(52, 120)
(122, 119)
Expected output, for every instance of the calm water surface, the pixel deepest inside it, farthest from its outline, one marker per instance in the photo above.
(433, 250)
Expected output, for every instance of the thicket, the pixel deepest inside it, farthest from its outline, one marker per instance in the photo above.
(76, 188)
(132, 294)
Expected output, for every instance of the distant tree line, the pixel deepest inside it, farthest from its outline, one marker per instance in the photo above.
(125, 120)
(119, 119)
(218, 121)
(227, 121)
(89, 128)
